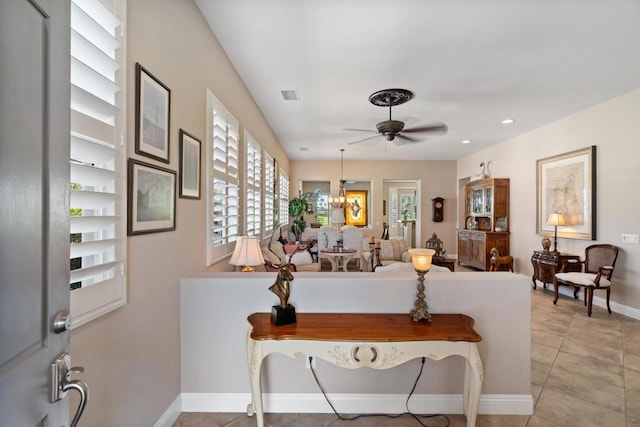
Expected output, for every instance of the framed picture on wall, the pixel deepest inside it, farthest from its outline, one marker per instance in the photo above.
(153, 100)
(356, 210)
(566, 189)
(151, 201)
(190, 157)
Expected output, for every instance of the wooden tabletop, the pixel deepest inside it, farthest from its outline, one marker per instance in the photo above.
(342, 251)
(365, 327)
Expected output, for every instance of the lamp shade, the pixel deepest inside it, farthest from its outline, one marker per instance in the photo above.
(247, 252)
(421, 258)
(337, 217)
(556, 218)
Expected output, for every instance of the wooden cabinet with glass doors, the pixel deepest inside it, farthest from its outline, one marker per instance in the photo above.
(486, 223)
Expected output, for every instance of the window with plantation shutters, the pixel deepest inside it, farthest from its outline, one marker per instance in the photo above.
(97, 168)
(223, 186)
(269, 195)
(283, 197)
(253, 186)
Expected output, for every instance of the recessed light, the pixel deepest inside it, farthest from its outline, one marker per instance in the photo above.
(507, 121)
(304, 148)
(466, 141)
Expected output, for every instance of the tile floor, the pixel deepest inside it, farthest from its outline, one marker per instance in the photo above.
(584, 372)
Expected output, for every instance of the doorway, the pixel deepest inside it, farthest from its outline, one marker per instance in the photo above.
(402, 209)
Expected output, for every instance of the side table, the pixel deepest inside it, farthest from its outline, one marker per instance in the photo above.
(356, 340)
(547, 264)
(450, 263)
(340, 258)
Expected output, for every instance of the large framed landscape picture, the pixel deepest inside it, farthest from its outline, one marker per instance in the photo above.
(153, 100)
(151, 206)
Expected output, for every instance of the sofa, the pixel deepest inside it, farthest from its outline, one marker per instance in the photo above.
(391, 251)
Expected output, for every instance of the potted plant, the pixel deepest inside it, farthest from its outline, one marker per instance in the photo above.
(297, 209)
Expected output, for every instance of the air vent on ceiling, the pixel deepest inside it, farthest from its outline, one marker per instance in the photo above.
(289, 95)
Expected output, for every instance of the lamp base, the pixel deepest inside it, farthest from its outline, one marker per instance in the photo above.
(283, 315)
(420, 307)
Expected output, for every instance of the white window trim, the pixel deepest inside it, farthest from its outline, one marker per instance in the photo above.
(253, 153)
(217, 253)
(269, 195)
(91, 302)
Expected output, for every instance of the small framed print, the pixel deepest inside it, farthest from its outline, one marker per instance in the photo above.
(153, 100)
(190, 152)
(151, 201)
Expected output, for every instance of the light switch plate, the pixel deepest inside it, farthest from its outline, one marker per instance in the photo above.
(630, 238)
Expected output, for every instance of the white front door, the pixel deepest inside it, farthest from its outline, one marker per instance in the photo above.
(34, 224)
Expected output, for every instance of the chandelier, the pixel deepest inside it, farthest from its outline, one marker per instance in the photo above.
(339, 201)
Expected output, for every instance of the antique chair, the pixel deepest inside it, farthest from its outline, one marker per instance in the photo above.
(597, 270)
(352, 239)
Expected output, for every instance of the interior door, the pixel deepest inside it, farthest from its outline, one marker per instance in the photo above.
(34, 226)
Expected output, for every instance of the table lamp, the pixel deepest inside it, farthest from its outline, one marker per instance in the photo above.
(247, 253)
(421, 259)
(556, 219)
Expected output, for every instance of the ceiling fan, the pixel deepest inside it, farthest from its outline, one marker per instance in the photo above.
(392, 129)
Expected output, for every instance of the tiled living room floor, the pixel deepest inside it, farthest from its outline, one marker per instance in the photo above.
(585, 372)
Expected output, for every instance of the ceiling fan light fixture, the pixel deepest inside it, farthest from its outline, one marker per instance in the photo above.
(339, 201)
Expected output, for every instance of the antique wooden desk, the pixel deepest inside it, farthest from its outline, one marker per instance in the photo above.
(377, 341)
(547, 264)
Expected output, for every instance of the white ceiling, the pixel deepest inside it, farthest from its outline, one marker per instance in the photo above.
(469, 63)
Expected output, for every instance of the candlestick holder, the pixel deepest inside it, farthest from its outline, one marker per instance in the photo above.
(372, 256)
(378, 262)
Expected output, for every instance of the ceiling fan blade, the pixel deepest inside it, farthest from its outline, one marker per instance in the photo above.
(360, 130)
(362, 140)
(437, 128)
(405, 138)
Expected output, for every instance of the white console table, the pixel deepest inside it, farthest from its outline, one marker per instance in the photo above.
(377, 341)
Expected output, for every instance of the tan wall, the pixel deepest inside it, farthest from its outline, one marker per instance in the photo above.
(437, 178)
(132, 356)
(613, 128)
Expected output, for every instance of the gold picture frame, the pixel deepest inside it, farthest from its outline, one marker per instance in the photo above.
(566, 184)
(356, 210)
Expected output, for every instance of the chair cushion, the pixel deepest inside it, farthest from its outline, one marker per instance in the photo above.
(584, 279)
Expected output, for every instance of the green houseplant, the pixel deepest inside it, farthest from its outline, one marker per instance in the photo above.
(297, 209)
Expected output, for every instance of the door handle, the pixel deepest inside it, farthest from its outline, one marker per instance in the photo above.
(61, 383)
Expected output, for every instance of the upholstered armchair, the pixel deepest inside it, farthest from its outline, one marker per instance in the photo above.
(597, 269)
(392, 250)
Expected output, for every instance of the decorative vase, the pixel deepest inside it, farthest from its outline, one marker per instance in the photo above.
(546, 244)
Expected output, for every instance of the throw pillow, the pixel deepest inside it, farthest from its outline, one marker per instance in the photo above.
(301, 258)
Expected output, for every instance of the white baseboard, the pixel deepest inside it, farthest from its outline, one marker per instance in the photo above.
(315, 403)
(171, 414)
(625, 310)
